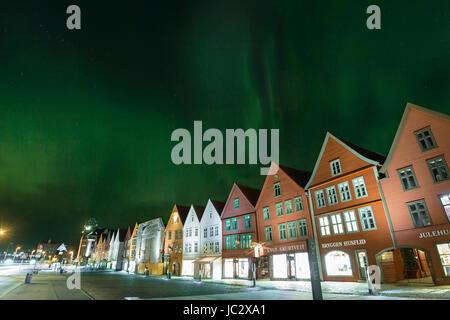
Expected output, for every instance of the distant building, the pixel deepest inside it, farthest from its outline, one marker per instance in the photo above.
(191, 239)
(117, 248)
(126, 249)
(150, 246)
(46, 248)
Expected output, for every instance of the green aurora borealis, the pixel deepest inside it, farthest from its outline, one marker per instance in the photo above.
(86, 116)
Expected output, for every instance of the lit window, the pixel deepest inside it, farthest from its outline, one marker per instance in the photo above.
(236, 203)
(266, 213)
(407, 178)
(247, 222)
(337, 263)
(234, 241)
(438, 168)
(246, 241)
(331, 195)
(298, 204)
(324, 224)
(268, 232)
(444, 253)
(320, 199)
(367, 219)
(336, 222)
(292, 229)
(360, 187)
(277, 189)
(288, 206)
(302, 228)
(419, 214)
(445, 200)
(344, 191)
(234, 224)
(425, 139)
(282, 231)
(350, 221)
(335, 167)
(279, 207)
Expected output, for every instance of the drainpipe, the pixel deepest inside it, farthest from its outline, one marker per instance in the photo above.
(313, 221)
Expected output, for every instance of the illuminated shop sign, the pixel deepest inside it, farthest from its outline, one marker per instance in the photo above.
(435, 233)
(296, 247)
(343, 244)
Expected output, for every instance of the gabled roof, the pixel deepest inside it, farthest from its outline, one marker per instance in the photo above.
(408, 108)
(183, 212)
(251, 194)
(121, 234)
(362, 153)
(199, 211)
(301, 177)
(218, 205)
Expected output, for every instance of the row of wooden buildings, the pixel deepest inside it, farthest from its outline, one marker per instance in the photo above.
(359, 207)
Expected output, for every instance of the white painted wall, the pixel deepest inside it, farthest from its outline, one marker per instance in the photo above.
(210, 220)
(189, 239)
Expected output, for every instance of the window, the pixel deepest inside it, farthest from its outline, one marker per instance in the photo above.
(324, 224)
(288, 206)
(336, 222)
(298, 204)
(331, 195)
(407, 178)
(367, 219)
(444, 254)
(196, 232)
(266, 213)
(236, 203)
(419, 214)
(277, 189)
(170, 235)
(228, 242)
(211, 247)
(344, 191)
(196, 247)
(216, 230)
(211, 231)
(292, 229)
(320, 199)
(268, 232)
(227, 225)
(302, 228)
(279, 207)
(425, 139)
(234, 224)
(180, 234)
(335, 167)
(337, 263)
(205, 232)
(189, 248)
(216, 249)
(234, 242)
(438, 168)
(282, 231)
(189, 233)
(360, 187)
(247, 222)
(186, 247)
(445, 201)
(176, 234)
(350, 221)
(246, 241)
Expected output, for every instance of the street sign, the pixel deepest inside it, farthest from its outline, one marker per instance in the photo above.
(314, 269)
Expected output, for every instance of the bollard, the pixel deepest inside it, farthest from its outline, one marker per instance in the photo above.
(28, 277)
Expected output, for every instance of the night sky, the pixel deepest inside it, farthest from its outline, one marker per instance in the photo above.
(86, 116)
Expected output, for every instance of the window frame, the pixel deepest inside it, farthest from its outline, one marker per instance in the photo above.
(232, 224)
(426, 209)
(444, 165)
(236, 202)
(271, 233)
(292, 223)
(317, 199)
(355, 189)
(300, 227)
(285, 207)
(413, 175)
(339, 166)
(335, 195)
(248, 218)
(362, 220)
(349, 191)
(346, 222)
(443, 205)
(337, 223)
(326, 227)
(264, 213)
(285, 230)
(275, 189)
(277, 206)
(301, 204)
(416, 133)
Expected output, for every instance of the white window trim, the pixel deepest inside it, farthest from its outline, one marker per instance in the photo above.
(331, 167)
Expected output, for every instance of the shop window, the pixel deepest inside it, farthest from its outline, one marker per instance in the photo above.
(344, 191)
(351, 222)
(335, 167)
(302, 228)
(324, 224)
(282, 231)
(298, 204)
(444, 254)
(337, 263)
(247, 222)
(425, 139)
(268, 232)
(234, 224)
(292, 229)
(236, 203)
(228, 268)
(288, 206)
(279, 266)
(360, 187)
(408, 178)
(243, 268)
(367, 219)
(336, 222)
(320, 199)
(277, 189)
(445, 201)
(266, 213)
(438, 168)
(302, 266)
(227, 225)
(419, 214)
(279, 207)
(331, 195)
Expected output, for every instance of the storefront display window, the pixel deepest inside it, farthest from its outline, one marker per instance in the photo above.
(445, 200)
(337, 263)
(228, 268)
(243, 268)
(188, 267)
(444, 254)
(302, 266)
(279, 264)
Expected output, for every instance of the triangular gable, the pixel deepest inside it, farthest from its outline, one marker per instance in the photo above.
(234, 193)
(406, 113)
(362, 159)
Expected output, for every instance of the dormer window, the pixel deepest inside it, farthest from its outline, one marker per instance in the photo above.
(425, 139)
(335, 166)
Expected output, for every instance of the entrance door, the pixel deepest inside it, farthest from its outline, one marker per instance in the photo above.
(361, 258)
(291, 266)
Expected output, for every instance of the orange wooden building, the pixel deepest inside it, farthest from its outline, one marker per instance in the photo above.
(173, 242)
(417, 192)
(284, 224)
(351, 223)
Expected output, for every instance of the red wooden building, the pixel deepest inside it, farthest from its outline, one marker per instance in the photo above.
(417, 192)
